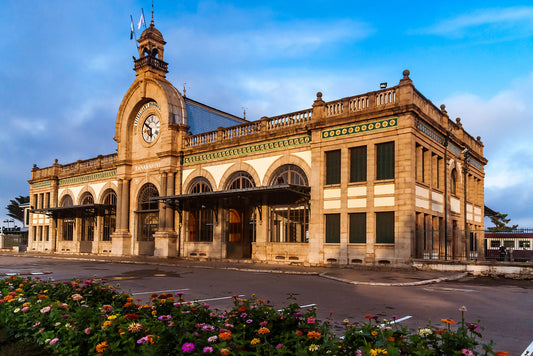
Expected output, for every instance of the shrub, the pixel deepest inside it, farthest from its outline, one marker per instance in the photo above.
(93, 318)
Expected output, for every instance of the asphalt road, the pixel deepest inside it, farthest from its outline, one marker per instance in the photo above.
(503, 307)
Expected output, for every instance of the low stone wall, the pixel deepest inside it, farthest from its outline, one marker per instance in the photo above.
(517, 270)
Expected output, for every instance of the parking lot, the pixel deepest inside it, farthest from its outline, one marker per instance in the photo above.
(503, 307)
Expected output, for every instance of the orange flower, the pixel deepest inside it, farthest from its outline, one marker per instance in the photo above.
(502, 353)
(42, 296)
(153, 295)
(313, 335)
(374, 333)
(241, 309)
(263, 331)
(447, 321)
(391, 339)
(226, 335)
(101, 346)
(224, 351)
(440, 331)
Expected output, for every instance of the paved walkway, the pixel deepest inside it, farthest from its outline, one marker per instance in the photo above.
(361, 275)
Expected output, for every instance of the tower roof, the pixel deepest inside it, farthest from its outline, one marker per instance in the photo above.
(152, 33)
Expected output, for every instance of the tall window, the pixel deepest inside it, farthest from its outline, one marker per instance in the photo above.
(385, 161)
(289, 222)
(453, 181)
(87, 222)
(358, 164)
(110, 217)
(357, 228)
(148, 216)
(333, 228)
(200, 220)
(68, 223)
(333, 167)
(385, 227)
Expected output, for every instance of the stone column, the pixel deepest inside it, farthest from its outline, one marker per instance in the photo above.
(165, 237)
(169, 211)
(121, 238)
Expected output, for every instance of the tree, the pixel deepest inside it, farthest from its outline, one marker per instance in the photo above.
(14, 209)
(500, 222)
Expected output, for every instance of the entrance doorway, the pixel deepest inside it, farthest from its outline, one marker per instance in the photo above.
(241, 233)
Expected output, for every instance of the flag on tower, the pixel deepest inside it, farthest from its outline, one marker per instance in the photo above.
(132, 30)
(141, 21)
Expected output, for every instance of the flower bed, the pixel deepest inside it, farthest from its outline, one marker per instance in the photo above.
(93, 318)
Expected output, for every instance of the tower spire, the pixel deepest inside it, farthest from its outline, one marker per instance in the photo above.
(152, 22)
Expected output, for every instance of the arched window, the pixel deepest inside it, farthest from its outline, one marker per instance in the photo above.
(148, 212)
(110, 218)
(240, 180)
(67, 201)
(87, 199)
(200, 220)
(289, 222)
(453, 181)
(148, 191)
(289, 174)
(67, 226)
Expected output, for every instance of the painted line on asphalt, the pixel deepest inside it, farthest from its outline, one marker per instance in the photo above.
(529, 350)
(161, 291)
(397, 320)
(447, 289)
(302, 306)
(211, 299)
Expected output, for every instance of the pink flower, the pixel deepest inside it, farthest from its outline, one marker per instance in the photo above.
(208, 350)
(310, 320)
(53, 341)
(467, 352)
(25, 309)
(76, 297)
(88, 330)
(187, 347)
(45, 309)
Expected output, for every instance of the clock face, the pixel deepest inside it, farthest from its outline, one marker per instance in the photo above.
(150, 129)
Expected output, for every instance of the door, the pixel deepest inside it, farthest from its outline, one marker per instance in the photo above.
(239, 243)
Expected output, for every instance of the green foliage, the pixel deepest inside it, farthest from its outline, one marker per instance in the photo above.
(93, 318)
(500, 222)
(14, 209)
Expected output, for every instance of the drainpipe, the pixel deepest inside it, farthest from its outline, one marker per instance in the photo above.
(446, 195)
(465, 171)
(180, 212)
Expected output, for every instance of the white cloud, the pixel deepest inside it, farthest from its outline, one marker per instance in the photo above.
(517, 19)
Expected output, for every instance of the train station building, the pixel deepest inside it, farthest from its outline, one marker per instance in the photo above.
(382, 177)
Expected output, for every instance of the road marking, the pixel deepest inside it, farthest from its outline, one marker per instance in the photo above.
(397, 320)
(208, 300)
(160, 291)
(529, 350)
(432, 289)
(302, 306)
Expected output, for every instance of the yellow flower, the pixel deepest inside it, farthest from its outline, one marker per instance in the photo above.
(374, 333)
(313, 347)
(154, 312)
(111, 317)
(255, 341)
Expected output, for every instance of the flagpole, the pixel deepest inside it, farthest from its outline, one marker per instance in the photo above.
(144, 18)
(133, 30)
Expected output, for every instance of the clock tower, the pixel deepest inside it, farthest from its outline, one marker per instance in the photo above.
(150, 131)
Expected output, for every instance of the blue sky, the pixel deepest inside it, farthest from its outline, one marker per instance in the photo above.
(65, 66)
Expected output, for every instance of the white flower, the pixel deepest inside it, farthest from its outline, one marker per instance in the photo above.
(16, 310)
(424, 332)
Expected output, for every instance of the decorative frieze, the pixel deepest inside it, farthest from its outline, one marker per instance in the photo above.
(360, 128)
(88, 177)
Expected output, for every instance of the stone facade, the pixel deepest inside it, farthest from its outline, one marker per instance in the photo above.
(382, 177)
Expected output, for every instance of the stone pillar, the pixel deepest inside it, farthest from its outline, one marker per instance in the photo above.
(121, 238)
(165, 238)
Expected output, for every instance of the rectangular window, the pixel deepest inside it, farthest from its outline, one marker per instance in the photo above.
(524, 244)
(385, 228)
(358, 228)
(46, 233)
(333, 167)
(333, 228)
(35, 233)
(495, 243)
(47, 202)
(358, 164)
(40, 233)
(508, 243)
(385, 161)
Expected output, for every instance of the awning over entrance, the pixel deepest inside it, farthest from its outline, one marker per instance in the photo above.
(281, 194)
(76, 211)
